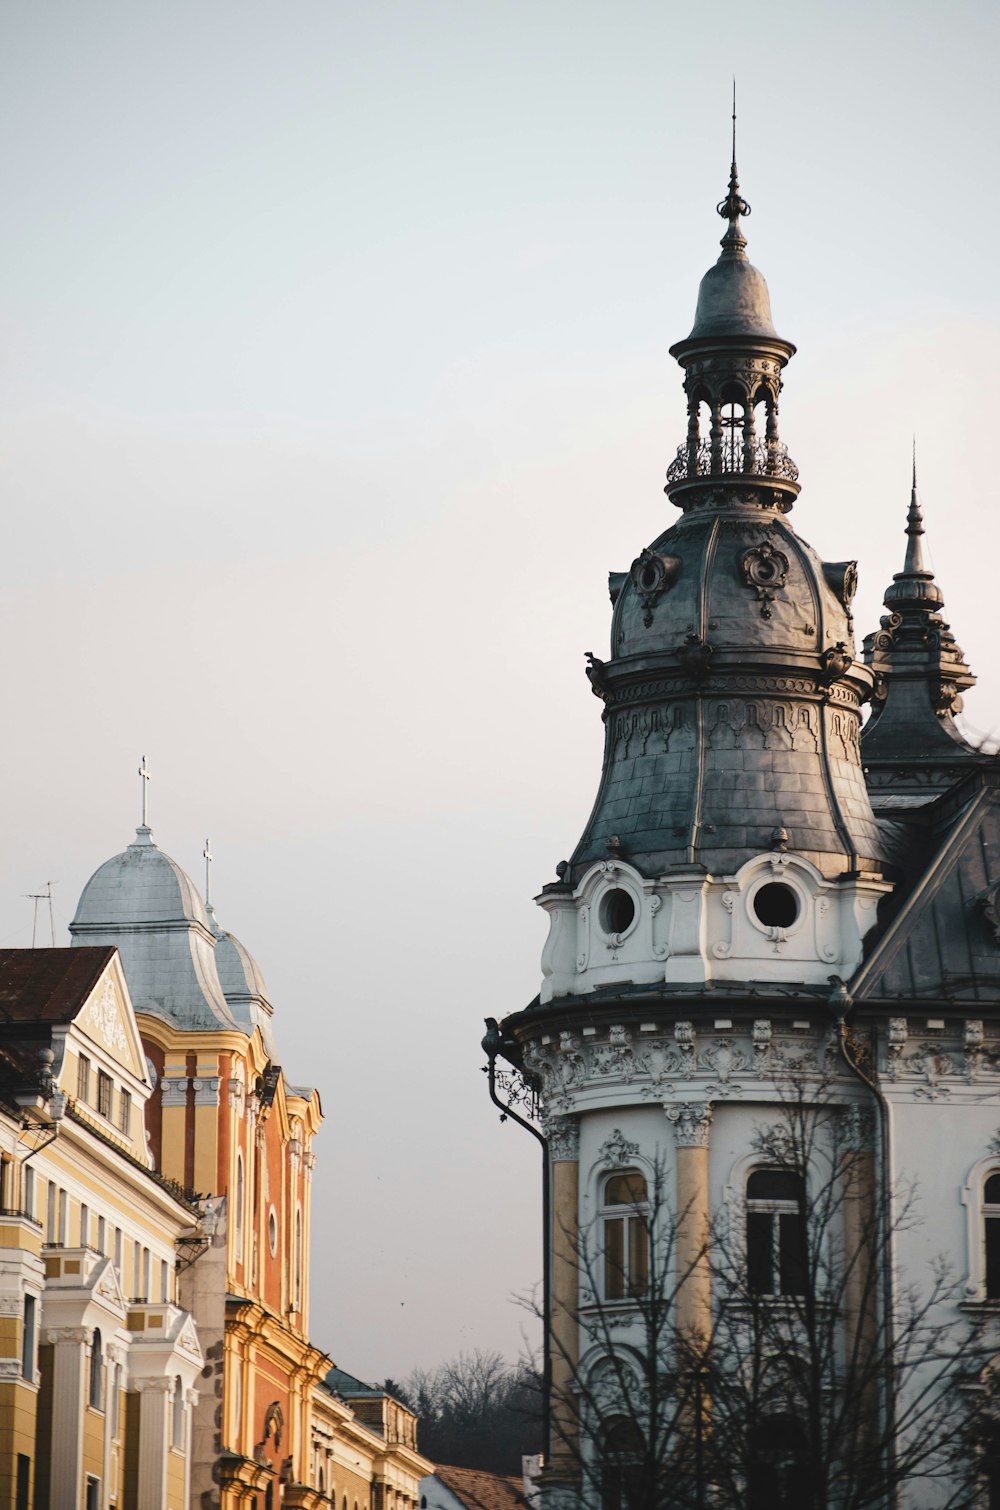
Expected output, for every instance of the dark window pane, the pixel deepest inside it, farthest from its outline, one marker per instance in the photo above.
(992, 1226)
(792, 1253)
(991, 1190)
(759, 1245)
(774, 1185)
(626, 1189)
(638, 1256)
(614, 1260)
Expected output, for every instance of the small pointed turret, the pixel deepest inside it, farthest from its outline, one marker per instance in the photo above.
(921, 673)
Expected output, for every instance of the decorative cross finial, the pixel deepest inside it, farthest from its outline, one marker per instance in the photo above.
(144, 777)
(208, 858)
(734, 205)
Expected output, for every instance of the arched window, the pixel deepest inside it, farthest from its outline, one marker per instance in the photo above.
(622, 1466)
(991, 1235)
(95, 1393)
(776, 1233)
(626, 1235)
(777, 1458)
(239, 1203)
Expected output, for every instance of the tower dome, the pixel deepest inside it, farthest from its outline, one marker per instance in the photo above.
(149, 909)
(732, 814)
(242, 984)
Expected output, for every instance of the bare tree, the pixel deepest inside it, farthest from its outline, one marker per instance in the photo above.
(814, 1381)
(477, 1411)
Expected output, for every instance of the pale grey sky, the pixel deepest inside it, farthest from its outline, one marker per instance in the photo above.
(334, 379)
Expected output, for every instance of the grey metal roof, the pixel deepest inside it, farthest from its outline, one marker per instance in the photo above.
(149, 909)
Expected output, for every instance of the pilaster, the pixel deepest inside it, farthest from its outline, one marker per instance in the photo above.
(691, 1121)
(154, 1409)
(563, 1136)
(69, 1364)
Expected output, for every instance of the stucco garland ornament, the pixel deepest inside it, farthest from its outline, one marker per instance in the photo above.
(653, 575)
(765, 569)
(617, 1149)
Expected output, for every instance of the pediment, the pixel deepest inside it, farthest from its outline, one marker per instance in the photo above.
(108, 1020)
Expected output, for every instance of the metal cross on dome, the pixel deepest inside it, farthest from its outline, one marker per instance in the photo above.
(208, 857)
(144, 777)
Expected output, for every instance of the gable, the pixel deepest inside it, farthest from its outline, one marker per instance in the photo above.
(106, 1017)
(945, 941)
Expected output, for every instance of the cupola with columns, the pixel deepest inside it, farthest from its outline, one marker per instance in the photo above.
(732, 836)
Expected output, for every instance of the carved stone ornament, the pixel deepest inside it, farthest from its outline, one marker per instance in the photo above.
(652, 576)
(690, 1121)
(563, 1137)
(836, 660)
(616, 1149)
(765, 569)
(103, 1013)
(695, 656)
(79, 1335)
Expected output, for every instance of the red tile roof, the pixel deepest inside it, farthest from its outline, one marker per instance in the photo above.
(482, 1491)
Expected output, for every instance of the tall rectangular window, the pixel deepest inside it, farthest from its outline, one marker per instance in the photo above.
(125, 1112)
(52, 1215)
(22, 1495)
(626, 1235)
(777, 1257)
(93, 1500)
(63, 1217)
(105, 1087)
(102, 1234)
(138, 1293)
(83, 1078)
(28, 1339)
(28, 1193)
(118, 1254)
(164, 1280)
(84, 1225)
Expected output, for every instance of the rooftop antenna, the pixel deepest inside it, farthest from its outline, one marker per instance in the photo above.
(144, 776)
(208, 857)
(734, 123)
(42, 896)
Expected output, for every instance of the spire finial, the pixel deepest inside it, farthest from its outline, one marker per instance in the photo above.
(914, 526)
(208, 857)
(734, 205)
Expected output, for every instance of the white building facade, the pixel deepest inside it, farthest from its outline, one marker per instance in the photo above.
(765, 1055)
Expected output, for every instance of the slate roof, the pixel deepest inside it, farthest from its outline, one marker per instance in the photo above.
(482, 1491)
(939, 939)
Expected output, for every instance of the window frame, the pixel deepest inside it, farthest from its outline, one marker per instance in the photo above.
(775, 1209)
(977, 1215)
(105, 1094)
(631, 1221)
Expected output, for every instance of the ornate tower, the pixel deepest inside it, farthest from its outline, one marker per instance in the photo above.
(718, 947)
(732, 838)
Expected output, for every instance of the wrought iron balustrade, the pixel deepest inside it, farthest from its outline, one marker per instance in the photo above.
(760, 458)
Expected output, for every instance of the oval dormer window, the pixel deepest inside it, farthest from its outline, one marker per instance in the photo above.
(617, 910)
(776, 905)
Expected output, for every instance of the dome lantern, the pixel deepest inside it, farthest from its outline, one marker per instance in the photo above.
(732, 362)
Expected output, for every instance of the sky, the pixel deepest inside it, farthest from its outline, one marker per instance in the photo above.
(333, 381)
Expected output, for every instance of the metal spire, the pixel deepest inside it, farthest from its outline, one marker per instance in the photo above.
(914, 527)
(208, 857)
(734, 205)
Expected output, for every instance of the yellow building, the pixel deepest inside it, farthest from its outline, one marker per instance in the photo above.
(223, 1121)
(98, 1361)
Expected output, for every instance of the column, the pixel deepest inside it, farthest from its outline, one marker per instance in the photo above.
(154, 1439)
(173, 1100)
(69, 1369)
(691, 1121)
(563, 1467)
(206, 1122)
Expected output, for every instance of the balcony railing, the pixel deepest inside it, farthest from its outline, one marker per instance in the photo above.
(734, 457)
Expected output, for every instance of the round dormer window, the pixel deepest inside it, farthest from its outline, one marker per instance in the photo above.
(272, 1231)
(617, 911)
(776, 905)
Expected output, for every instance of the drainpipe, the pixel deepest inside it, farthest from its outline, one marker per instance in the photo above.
(493, 1044)
(842, 1003)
